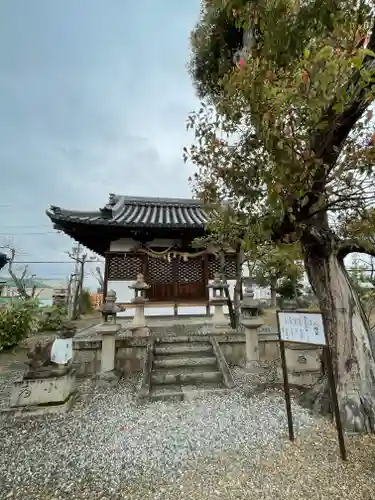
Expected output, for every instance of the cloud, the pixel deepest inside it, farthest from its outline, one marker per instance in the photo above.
(93, 99)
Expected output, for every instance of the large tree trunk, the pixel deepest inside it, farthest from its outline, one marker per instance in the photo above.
(348, 335)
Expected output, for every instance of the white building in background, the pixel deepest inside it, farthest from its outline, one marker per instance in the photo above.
(43, 288)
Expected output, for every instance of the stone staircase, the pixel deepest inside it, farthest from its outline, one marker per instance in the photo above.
(183, 368)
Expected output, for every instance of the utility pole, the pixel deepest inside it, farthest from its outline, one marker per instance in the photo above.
(80, 257)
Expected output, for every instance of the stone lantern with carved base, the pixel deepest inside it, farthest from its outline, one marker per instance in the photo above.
(251, 320)
(139, 301)
(108, 330)
(218, 300)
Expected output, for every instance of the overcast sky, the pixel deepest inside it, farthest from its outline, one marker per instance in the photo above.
(94, 95)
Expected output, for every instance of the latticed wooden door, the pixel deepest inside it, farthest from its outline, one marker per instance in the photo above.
(161, 278)
(191, 284)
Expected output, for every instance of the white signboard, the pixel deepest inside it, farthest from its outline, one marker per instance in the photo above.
(305, 328)
(62, 351)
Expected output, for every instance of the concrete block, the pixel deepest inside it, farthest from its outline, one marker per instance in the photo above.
(302, 360)
(86, 356)
(46, 391)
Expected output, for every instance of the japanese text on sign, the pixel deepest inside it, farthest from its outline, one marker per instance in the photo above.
(304, 328)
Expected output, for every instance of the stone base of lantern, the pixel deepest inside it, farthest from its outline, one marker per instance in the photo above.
(107, 375)
(136, 331)
(218, 318)
(252, 364)
(139, 320)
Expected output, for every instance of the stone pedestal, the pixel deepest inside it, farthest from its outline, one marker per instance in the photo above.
(218, 318)
(139, 319)
(53, 391)
(251, 320)
(108, 332)
(252, 347)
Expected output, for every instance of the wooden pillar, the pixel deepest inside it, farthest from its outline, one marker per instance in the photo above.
(175, 284)
(206, 279)
(106, 273)
(146, 274)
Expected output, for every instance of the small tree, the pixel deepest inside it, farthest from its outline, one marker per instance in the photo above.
(22, 278)
(224, 233)
(285, 133)
(289, 288)
(275, 264)
(16, 322)
(85, 302)
(98, 275)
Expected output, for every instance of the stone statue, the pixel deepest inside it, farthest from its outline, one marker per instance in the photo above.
(40, 364)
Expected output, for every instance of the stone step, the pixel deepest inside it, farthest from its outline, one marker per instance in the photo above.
(182, 347)
(189, 359)
(178, 339)
(186, 375)
(177, 392)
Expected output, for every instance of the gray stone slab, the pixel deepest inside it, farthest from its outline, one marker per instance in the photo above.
(45, 391)
(38, 410)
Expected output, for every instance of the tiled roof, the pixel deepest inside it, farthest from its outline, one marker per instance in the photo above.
(138, 212)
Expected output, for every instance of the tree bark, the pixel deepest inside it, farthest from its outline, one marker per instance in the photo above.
(348, 336)
(273, 293)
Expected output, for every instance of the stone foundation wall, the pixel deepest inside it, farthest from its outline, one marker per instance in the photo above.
(303, 361)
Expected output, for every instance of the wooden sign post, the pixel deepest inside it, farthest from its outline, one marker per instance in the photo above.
(307, 328)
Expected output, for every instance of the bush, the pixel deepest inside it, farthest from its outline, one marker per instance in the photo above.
(85, 303)
(16, 322)
(52, 318)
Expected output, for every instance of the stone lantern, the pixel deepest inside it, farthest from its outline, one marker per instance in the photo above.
(139, 301)
(218, 300)
(108, 330)
(290, 305)
(109, 309)
(251, 320)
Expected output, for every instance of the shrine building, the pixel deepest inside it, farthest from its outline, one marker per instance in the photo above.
(152, 236)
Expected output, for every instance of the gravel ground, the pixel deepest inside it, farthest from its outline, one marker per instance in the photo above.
(232, 446)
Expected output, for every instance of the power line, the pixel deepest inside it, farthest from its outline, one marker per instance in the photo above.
(46, 227)
(50, 262)
(42, 262)
(25, 208)
(28, 234)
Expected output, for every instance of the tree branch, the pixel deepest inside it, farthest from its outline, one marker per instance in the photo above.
(328, 142)
(20, 282)
(352, 246)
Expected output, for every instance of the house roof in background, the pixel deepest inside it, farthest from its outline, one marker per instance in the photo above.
(29, 283)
